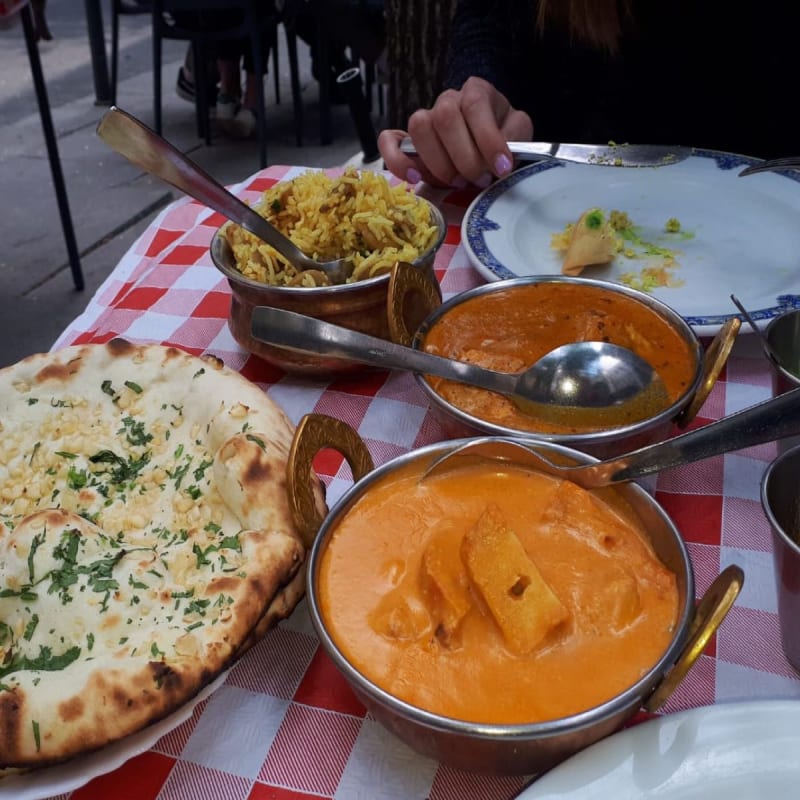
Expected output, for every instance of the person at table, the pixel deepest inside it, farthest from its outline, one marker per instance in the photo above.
(597, 71)
(232, 58)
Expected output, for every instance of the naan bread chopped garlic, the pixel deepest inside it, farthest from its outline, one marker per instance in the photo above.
(145, 539)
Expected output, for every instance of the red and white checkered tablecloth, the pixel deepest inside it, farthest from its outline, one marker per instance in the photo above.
(284, 725)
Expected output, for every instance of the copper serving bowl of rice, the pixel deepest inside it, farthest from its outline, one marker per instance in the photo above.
(358, 215)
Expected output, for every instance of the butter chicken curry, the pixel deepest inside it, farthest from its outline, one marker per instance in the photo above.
(495, 594)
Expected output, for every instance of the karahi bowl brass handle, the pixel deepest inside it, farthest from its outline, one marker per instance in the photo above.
(716, 356)
(409, 285)
(318, 432)
(708, 616)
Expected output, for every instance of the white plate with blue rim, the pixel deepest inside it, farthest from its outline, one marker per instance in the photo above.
(735, 751)
(736, 235)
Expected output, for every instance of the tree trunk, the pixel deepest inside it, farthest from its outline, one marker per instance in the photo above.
(417, 32)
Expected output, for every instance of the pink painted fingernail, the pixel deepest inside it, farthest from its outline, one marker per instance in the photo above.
(502, 165)
(412, 176)
(484, 180)
(459, 182)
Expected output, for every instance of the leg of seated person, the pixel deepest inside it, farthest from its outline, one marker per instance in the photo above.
(238, 116)
(230, 81)
(235, 111)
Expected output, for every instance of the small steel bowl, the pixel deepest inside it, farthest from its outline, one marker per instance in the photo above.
(602, 443)
(497, 748)
(783, 340)
(361, 306)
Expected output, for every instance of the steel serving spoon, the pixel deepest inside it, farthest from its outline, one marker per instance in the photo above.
(768, 421)
(595, 375)
(154, 154)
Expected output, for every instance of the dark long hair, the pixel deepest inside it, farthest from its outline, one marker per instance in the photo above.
(595, 22)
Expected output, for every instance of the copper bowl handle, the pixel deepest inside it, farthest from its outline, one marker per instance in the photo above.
(714, 360)
(314, 433)
(708, 616)
(406, 280)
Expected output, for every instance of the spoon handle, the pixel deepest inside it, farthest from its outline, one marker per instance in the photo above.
(154, 154)
(767, 421)
(310, 335)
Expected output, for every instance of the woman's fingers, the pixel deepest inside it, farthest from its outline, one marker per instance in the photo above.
(492, 133)
(397, 162)
(517, 127)
(462, 139)
(454, 136)
(485, 110)
(466, 134)
(436, 151)
(407, 168)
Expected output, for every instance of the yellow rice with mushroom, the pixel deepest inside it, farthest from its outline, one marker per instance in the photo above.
(357, 215)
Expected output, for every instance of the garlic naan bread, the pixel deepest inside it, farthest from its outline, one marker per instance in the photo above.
(145, 539)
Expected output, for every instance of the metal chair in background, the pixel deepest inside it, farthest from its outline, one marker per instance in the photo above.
(52, 146)
(121, 8)
(257, 26)
(349, 26)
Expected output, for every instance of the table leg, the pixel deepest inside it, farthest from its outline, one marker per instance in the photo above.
(97, 46)
(52, 146)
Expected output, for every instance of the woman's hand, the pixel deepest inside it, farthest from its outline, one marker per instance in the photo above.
(461, 140)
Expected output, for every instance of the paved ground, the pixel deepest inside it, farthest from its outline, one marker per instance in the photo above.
(110, 200)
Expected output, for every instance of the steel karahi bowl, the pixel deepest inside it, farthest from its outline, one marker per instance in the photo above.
(361, 306)
(703, 368)
(501, 748)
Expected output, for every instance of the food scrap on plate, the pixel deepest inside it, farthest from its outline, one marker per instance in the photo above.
(598, 238)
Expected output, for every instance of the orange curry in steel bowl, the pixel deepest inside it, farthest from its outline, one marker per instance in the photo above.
(497, 617)
(534, 585)
(508, 325)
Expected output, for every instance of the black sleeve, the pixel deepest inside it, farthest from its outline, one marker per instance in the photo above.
(481, 38)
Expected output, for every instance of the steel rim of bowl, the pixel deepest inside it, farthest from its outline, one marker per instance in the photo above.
(789, 318)
(222, 257)
(766, 503)
(569, 439)
(634, 694)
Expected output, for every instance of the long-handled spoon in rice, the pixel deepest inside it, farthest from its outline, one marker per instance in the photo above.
(154, 154)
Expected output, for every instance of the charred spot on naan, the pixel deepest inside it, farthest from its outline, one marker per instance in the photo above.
(250, 473)
(119, 347)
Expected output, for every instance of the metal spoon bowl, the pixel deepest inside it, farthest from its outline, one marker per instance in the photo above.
(589, 375)
(768, 421)
(154, 154)
(594, 375)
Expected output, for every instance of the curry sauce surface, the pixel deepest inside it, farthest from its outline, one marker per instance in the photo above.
(509, 330)
(438, 644)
